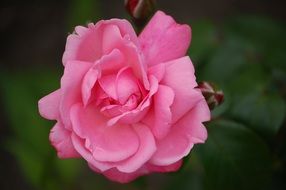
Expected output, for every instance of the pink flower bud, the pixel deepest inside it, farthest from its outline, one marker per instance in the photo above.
(213, 96)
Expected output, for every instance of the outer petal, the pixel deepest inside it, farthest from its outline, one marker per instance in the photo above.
(121, 177)
(185, 133)
(146, 150)
(83, 45)
(86, 43)
(192, 122)
(79, 145)
(111, 38)
(61, 139)
(104, 143)
(71, 87)
(49, 105)
(168, 168)
(125, 29)
(172, 148)
(163, 39)
(179, 75)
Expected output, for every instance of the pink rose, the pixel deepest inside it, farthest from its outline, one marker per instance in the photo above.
(127, 105)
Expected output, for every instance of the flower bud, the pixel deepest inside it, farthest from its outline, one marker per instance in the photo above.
(213, 96)
(140, 10)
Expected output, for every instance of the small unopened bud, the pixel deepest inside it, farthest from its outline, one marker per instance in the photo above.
(140, 10)
(213, 96)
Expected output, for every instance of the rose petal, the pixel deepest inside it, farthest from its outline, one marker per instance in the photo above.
(137, 114)
(134, 59)
(61, 139)
(179, 75)
(111, 63)
(171, 149)
(88, 83)
(105, 143)
(81, 30)
(112, 38)
(125, 29)
(163, 39)
(146, 150)
(192, 122)
(108, 84)
(49, 105)
(121, 177)
(71, 87)
(85, 46)
(107, 65)
(160, 118)
(158, 71)
(79, 145)
(183, 135)
(126, 85)
(111, 110)
(169, 168)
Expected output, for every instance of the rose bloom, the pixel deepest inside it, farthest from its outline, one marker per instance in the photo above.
(126, 104)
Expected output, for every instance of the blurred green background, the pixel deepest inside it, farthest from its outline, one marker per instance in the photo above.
(238, 44)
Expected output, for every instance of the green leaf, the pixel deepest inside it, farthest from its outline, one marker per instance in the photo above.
(256, 101)
(264, 112)
(234, 158)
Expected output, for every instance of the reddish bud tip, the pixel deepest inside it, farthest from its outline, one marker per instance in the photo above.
(140, 10)
(213, 96)
(131, 5)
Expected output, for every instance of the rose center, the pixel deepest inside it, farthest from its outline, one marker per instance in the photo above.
(119, 93)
